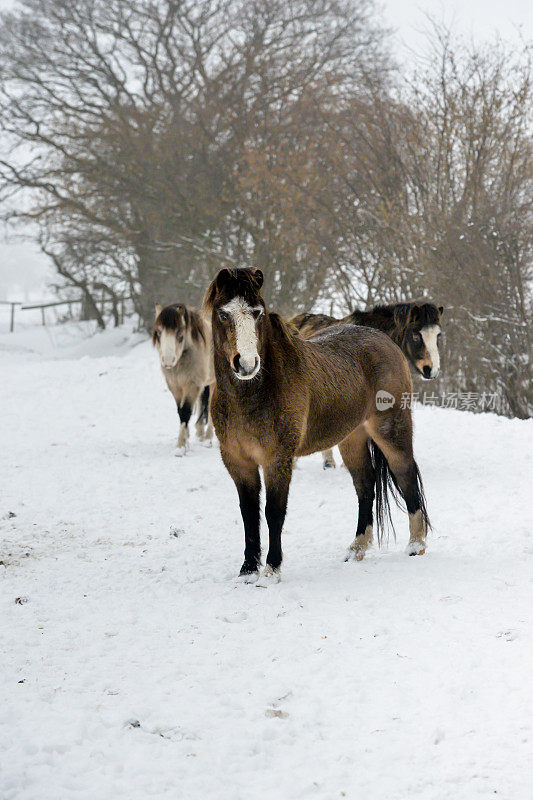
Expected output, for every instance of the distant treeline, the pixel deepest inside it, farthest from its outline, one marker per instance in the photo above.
(154, 142)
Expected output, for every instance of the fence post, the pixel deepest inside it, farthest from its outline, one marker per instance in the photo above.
(12, 322)
(42, 316)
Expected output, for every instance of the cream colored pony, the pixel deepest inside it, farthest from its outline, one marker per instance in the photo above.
(183, 340)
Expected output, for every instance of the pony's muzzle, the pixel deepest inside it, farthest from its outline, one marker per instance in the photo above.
(244, 370)
(169, 364)
(428, 372)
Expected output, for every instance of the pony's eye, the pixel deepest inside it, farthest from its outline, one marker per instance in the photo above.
(416, 336)
(223, 317)
(180, 337)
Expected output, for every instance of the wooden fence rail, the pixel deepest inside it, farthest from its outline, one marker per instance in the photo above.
(69, 303)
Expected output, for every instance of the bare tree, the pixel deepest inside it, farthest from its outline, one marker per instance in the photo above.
(138, 120)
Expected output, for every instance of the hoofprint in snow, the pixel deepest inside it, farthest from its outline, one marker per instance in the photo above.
(134, 665)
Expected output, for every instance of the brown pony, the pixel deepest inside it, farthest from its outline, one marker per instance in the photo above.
(183, 340)
(414, 327)
(278, 396)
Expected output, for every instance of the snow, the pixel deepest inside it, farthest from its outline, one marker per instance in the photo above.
(134, 665)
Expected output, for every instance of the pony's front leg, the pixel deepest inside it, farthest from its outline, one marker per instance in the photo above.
(184, 411)
(245, 475)
(185, 407)
(278, 474)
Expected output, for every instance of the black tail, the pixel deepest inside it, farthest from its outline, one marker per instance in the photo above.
(386, 486)
(204, 406)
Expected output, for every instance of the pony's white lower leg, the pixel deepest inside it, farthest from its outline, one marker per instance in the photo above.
(417, 535)
(200, 429)
(360, 545)
(183, 437)
(328, 460)
(208, 435)
(269, 577)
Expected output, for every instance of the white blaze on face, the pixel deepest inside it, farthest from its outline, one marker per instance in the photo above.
(242, 317)
(168, 348)
(429, 336)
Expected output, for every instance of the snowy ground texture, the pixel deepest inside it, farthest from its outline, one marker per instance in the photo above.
(134, 666)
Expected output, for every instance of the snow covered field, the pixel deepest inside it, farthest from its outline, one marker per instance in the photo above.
(133, 665)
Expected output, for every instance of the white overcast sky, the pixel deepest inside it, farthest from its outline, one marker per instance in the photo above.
(24, 272)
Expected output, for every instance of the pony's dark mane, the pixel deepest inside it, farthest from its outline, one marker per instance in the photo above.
(286, 329)
(171, 316)
(397, 315)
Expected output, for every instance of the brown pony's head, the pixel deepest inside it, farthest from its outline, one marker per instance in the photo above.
(170, 333)
(238, 314)
(419, 333)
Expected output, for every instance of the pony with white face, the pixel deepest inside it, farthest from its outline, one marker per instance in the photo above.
(278, 396)
(182, 339)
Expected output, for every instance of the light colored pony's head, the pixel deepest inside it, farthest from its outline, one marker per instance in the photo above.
(174, 328)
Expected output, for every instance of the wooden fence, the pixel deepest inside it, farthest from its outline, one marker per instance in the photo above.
(12, 314)
(70, 303)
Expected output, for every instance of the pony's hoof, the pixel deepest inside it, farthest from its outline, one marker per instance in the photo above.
(249, 573)
(352, 555)
(269, 577)
(181, 449)
(416, 548)
(360, 545)
(247, 577)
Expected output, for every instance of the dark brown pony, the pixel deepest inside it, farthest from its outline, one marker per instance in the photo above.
(278, 396)
(414, 327)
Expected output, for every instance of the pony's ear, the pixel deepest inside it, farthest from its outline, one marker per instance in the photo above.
(441, 310)
(158, 309)
(258, 277)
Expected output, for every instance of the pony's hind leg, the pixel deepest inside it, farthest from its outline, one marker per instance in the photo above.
(203, 417)
(356, 457)
(328, 460)
(209, 430)
(393, 436)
